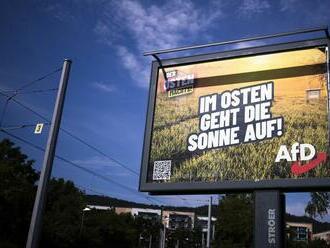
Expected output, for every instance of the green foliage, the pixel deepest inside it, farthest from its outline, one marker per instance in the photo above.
(185, 238)
(318, 204)
(102, 228)
(63, 215)
(234, 222)
(17, 190)
(317, 243)
(148, 229)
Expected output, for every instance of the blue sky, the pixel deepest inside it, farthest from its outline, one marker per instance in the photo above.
(107, 93)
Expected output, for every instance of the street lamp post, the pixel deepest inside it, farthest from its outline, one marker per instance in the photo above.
(164, 232)
(150, 241)
(82, 219)
(164, 237)
(208, 239)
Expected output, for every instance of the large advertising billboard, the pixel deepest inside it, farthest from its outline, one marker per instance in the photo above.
(251, 119)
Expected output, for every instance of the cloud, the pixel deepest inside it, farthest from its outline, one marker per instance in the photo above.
(296, 208)
(104, 166)
(96, 162)
(138, 69)
(103, 32)
(104, 87)
(157, 26)
(288, 5)
(310, 13)
(252, 7)
(60, 12)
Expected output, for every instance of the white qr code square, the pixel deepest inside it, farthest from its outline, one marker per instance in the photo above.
(162, 170)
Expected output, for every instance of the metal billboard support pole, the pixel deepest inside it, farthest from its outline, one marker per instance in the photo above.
(208, 242)
(39, 203)
(269, 207)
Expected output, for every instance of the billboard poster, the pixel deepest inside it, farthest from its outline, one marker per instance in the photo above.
(252, 118)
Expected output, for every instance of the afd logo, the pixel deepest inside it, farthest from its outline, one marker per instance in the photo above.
(298, 154)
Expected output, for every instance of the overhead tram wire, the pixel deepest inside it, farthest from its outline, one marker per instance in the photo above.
(79, 139)
(70, 162)
(14, 127)
(73, 135)
(31, 91)
(23, 87)
(39, 79)
(84, 188)
(99, 151)
(11, 97)
(2, 92)
(107, 179)
(18, 91)
(81, 187)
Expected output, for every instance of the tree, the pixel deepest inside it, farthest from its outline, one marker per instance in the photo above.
(148, 229)
(234, 222)
(104, 228)
(63, 215)
(17, 191)
(318, 204)
(317, 243)
(184, 237)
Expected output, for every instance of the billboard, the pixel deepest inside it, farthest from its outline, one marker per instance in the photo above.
(249, 119)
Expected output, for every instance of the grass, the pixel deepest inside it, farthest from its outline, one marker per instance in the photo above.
(176, 119)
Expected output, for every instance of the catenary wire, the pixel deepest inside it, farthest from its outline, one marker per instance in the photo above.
(16, 92)
(30, 92)
(71, 135)
(80, 139)
(107, 179)
(13, 127)
(39, 79)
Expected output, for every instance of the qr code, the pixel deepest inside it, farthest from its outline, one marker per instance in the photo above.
(162, 170)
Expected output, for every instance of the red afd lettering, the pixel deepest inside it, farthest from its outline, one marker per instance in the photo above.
(298, 169)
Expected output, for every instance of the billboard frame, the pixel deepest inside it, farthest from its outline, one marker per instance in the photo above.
(288, 185)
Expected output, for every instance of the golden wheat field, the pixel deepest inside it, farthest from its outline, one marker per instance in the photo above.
(293, 74)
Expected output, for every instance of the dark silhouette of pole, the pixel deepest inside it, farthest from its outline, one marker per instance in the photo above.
(208, 241)
(150, 241)
(39, 203)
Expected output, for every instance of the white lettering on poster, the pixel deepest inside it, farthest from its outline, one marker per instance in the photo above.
(235, 117)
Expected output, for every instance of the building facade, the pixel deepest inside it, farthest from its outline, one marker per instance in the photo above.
(299, 231)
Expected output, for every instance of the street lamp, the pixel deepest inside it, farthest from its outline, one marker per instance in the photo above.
(86, 209)
(164, 231)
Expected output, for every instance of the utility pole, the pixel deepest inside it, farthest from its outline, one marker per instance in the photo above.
(209, 224)
(150, 241)
(203, 240)
(39, 203)
(162, 230)
(164, 238)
